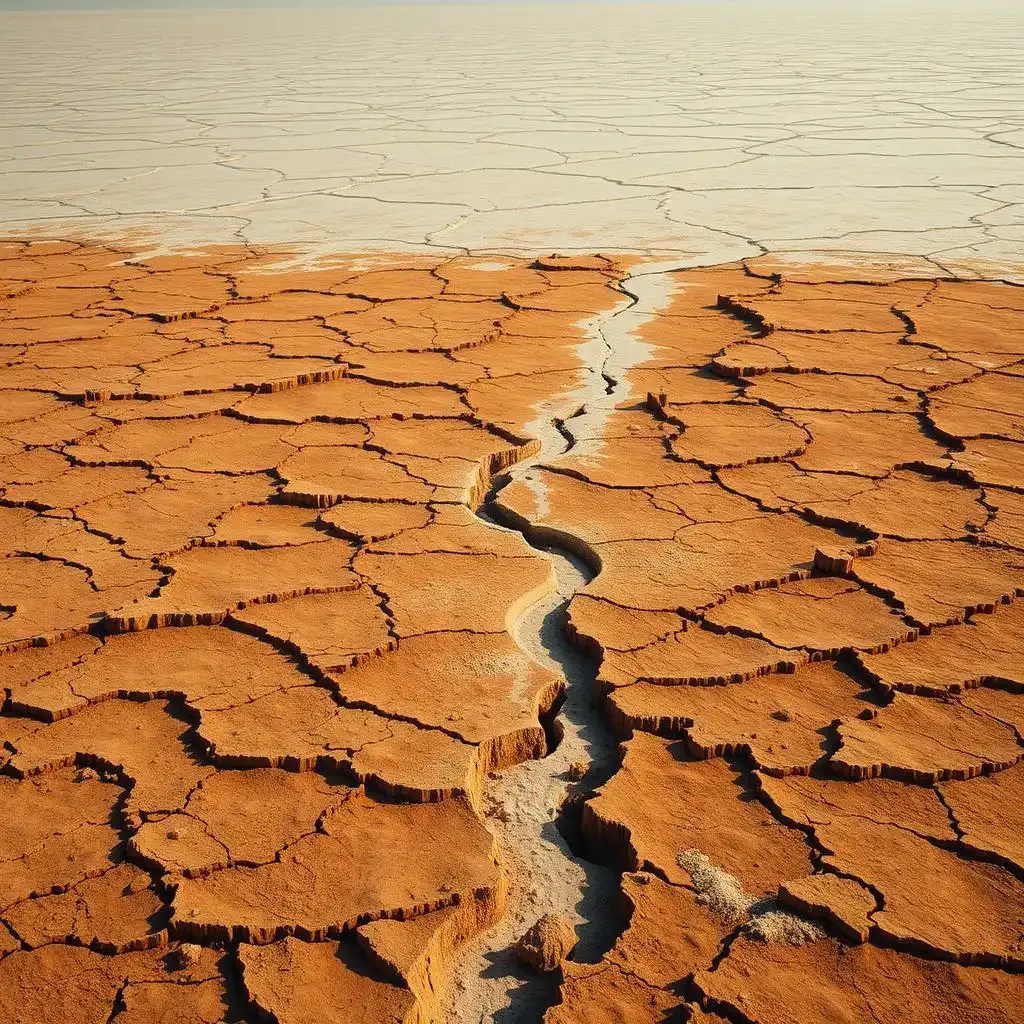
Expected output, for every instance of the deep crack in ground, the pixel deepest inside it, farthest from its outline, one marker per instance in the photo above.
(524, 803)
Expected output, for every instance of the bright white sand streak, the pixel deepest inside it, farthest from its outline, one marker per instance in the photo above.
(709, 131)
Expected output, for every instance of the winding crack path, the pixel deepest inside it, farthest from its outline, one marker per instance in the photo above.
(522, 804)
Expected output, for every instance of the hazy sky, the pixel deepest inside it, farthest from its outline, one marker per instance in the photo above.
(137, 5)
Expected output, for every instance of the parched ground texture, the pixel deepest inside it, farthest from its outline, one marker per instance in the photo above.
(258, 655)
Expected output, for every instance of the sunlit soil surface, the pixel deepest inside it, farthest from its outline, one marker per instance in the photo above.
(268, 670)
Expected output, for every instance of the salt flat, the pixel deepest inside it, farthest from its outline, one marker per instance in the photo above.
(716, 131)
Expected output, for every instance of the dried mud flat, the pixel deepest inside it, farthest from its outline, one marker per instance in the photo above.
(293, 689)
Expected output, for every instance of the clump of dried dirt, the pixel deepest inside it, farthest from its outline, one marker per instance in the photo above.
(188, 955)
(716, 889)
(773, 925)
(724, 897)
(547, 943)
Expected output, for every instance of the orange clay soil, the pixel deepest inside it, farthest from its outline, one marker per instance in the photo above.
(256, 650)
(809, 552)
(258, 653)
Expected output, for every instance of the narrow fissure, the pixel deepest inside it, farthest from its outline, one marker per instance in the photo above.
(534, 809)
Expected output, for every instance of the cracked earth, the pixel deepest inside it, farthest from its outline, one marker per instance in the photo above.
(511, 129)
(318, 584)
(375, 582)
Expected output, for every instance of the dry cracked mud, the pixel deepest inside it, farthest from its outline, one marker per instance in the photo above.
(356, 614)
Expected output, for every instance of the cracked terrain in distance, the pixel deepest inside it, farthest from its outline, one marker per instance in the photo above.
(375, 581)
